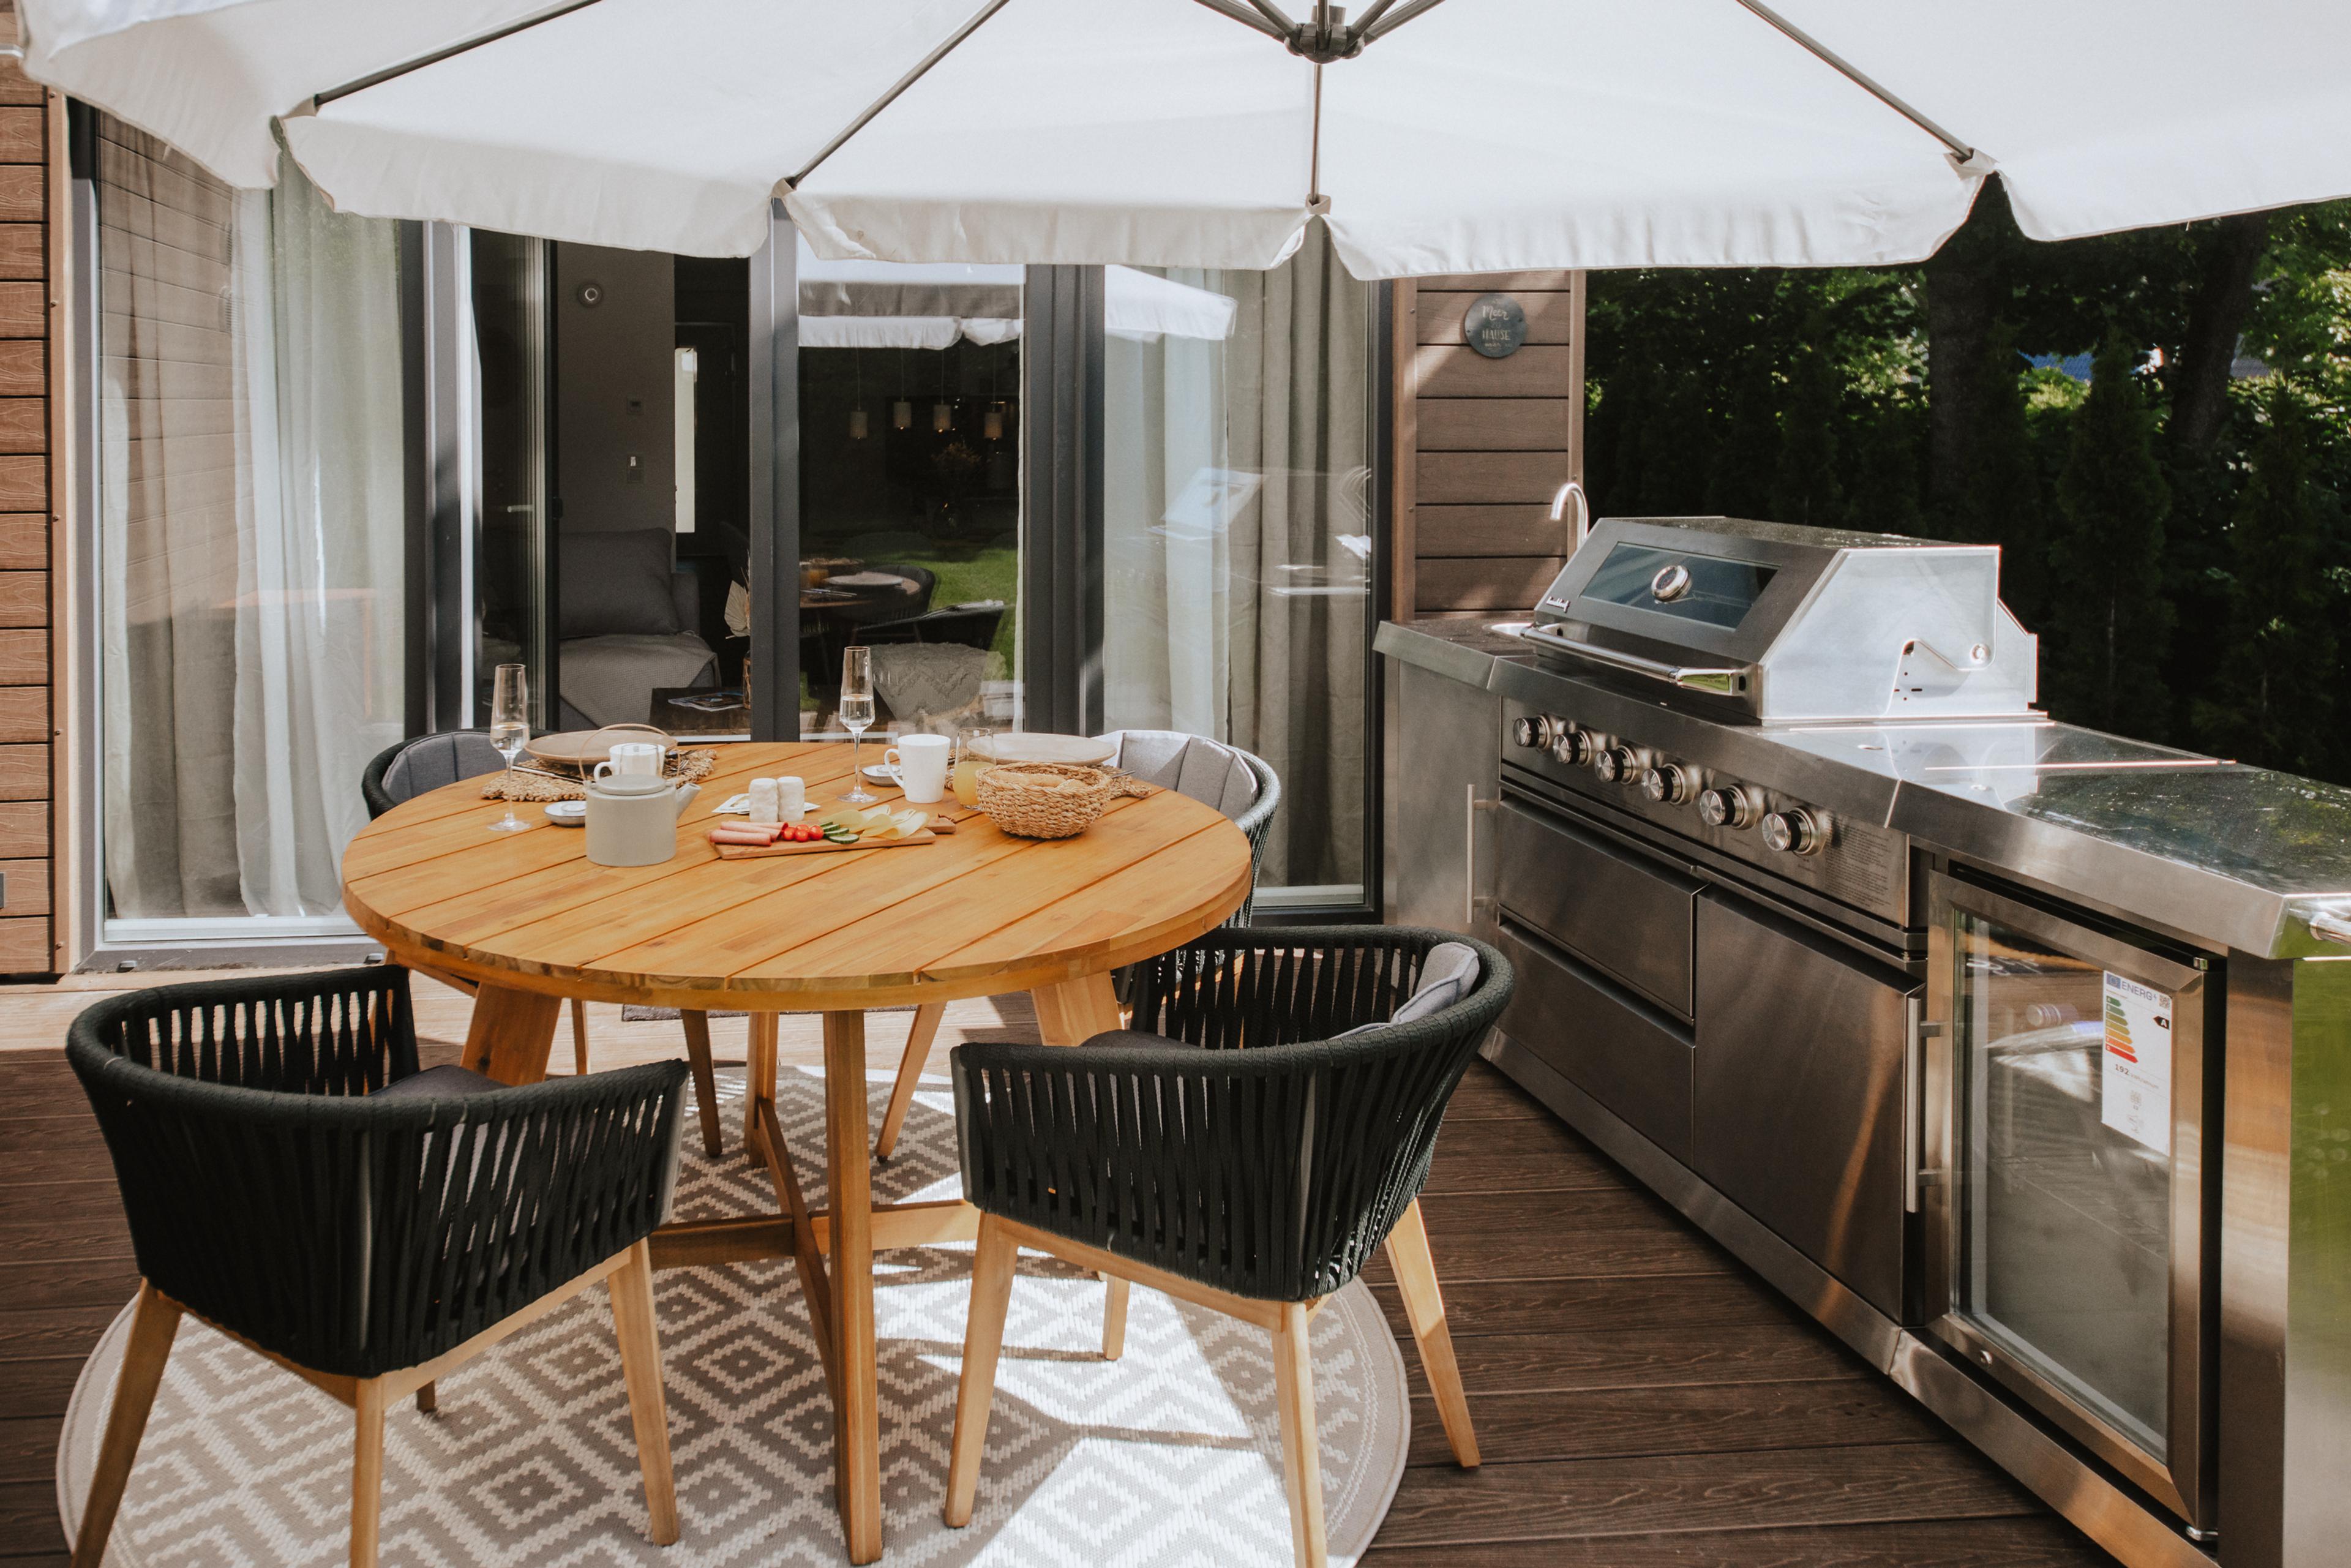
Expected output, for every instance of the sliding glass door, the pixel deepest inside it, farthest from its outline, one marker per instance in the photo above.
(1238, 433)
(250, 548)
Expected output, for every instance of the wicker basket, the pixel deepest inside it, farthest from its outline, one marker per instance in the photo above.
(1046, 799)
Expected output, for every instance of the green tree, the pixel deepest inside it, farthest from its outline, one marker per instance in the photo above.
(2102, 656)
(2278, 691)
(1999, 500)
(1805, 487)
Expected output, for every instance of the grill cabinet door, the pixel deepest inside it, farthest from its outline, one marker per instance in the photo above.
(1798, 1103)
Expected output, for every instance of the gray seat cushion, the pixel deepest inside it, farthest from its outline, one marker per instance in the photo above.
(1448, 975)
(1136, 1036)
(447, 1082)
(432, 760)
(1207, 772)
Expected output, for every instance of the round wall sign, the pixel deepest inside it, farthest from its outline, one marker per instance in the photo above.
(1496, 326)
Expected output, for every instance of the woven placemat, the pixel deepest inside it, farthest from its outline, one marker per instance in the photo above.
(525, 784)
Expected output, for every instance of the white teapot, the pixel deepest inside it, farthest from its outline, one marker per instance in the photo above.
(632, 817)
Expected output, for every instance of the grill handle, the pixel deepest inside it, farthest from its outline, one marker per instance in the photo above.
(1724, 680)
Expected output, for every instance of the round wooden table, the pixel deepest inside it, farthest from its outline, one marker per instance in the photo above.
(530, 921)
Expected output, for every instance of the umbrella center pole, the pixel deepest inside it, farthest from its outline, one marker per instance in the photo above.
(1317, 203)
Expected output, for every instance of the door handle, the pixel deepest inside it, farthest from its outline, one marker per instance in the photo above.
(1470, 899)
(1917, 1029)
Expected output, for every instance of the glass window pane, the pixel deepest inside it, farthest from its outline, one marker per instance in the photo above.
(1238, 447)
(252, 515)
(510, 622)
(910, 489)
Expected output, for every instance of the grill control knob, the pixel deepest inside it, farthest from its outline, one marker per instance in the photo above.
(1617, 765)
(1725, 808)
(1528, 732)
(1668, 784)
(1792, 832)
(1572, 745)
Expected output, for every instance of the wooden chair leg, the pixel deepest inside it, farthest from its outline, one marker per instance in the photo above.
(154, 1322)
(641, 1368)
(1301, 1458)
(367, 1471)
(706, 1081)
(983, 1338)
(758, 1074)
(579, 1036)
(910, 1074)
(1113, 1318)
(428, 1398)
(1424, 1308)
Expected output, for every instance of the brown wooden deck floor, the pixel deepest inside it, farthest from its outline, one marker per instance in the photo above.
(1641, 1399)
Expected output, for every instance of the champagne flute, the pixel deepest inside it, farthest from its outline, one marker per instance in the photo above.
(856, 714)
(509, 728)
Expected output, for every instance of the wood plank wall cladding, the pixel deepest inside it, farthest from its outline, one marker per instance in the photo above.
(32, 536)
(1483, 445)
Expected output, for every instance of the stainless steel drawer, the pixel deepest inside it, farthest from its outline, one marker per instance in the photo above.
(1800, 1093)
(1631, 918)
(1614, 1046)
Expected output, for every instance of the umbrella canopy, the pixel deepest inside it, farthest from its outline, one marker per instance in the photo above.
(1473, 135)
(884, 305)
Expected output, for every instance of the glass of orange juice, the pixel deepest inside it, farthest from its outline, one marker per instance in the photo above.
(970, 764)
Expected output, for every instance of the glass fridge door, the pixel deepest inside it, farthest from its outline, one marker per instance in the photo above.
(2069, 1240)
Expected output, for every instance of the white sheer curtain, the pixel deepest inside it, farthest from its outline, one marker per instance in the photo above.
(1238, 543)
(318, 628)
(253, 518)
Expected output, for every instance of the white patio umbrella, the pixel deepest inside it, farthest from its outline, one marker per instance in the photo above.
(1472, 135)
(851, 304)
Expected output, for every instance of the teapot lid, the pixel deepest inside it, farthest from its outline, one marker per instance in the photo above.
(630, 784)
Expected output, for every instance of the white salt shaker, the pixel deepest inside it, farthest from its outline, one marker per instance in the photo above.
(791, 798)
(763, 800)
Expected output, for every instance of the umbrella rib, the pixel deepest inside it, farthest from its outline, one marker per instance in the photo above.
(376, 78)
(1250, 16)
(921, 69)
(1962, 155)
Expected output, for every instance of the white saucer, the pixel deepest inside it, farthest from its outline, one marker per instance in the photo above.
(568, 813)
(881, 773)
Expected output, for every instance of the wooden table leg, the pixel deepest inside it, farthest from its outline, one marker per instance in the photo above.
(511, 1033)
(758, 1074)
(1075, 1010)
(856, 1415)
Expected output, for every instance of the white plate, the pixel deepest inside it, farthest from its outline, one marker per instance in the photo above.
(878, 773)
(568, 813)
(1034, 745)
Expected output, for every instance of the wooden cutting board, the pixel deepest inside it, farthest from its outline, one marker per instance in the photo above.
(818, 847)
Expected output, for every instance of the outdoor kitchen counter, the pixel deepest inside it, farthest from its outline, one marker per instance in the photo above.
(2237, 856)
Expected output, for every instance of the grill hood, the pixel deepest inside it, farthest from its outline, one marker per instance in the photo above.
(1776, 623)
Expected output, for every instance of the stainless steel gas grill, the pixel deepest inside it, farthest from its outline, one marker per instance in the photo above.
(1784, 625)
(1924, 1006)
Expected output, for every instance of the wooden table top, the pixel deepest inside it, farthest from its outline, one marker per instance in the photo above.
(977, 913)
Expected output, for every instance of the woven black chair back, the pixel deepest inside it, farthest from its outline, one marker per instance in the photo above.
(1265, 1155)
(408, 770)
(270, 1192)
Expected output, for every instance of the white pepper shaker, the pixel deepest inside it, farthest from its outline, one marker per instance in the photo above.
(763, 802)
(791, 798)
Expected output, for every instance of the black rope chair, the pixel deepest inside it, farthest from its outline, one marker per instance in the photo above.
(1168, 752)
(291, 1178)
(401, 772)
(1250, 1162)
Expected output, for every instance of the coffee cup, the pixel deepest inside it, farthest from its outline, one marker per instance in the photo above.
(632, 757)
(919, 764)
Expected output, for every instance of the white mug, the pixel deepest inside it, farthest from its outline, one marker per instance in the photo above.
(919, 764)
(632, 757)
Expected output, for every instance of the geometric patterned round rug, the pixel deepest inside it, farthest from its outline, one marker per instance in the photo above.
(1170, 1455)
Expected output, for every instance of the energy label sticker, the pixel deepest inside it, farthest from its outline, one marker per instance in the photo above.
(2136, 1085)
